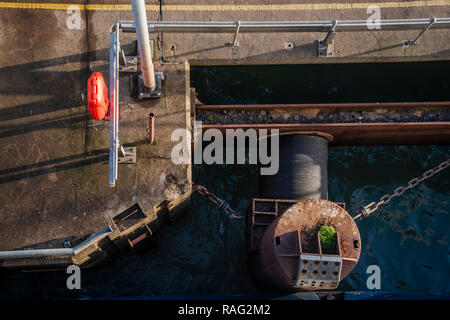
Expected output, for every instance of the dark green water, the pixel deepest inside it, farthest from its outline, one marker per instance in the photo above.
(323, 83)
(408, 238)
(203, 253)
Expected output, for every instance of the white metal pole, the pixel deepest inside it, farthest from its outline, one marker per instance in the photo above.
(140, 20)
(22, 254)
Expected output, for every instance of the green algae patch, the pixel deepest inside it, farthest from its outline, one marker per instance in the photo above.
(328, 238)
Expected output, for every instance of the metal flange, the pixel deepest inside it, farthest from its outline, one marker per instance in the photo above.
(145, 93)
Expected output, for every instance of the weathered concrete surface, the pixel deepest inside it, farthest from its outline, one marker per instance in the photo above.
(271, 48)
(53, 159)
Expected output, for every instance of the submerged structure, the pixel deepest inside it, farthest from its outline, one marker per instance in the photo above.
(284, 245)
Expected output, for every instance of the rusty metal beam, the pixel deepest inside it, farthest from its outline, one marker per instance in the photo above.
(329, 106)
(392, 133)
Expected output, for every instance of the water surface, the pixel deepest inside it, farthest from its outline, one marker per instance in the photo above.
(203, 253)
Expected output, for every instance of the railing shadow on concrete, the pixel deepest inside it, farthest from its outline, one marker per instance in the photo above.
(59, 164)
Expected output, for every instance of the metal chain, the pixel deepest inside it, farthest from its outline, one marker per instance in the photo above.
(365, 211)
(222, 205)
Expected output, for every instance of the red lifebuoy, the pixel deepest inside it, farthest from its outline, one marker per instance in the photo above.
(97, 96)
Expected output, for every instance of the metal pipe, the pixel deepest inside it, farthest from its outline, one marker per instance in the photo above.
(114, 104)
(236, 34)
(140, 18)
(283, 26)
(93, 238)
(21, 254)
(413, 42)
(151, 128)
(59, 252)
(359, 133)
(325, 106)
(330, 34)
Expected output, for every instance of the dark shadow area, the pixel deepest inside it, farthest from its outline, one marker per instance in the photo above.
(323, 83)
(398, 45)
(189, 53)
(73, 161)
(65, 86)
(75, 164)
(59, 122)
(34, 108)
(308, 50)
(53, 244)
(97, 55)
(55, 161)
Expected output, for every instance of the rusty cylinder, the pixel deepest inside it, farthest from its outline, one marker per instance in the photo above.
(151, 128)
(288, 253)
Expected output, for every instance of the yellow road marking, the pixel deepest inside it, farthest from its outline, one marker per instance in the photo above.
(237, 7)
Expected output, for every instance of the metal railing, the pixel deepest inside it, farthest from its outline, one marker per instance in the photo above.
(235, 27)
(114, 103)
(57, 252)
(285, 26)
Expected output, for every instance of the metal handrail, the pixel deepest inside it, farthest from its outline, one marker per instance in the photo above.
(56, 252)
(285, 26)
(331, 26)
(300, 106)
(37, 253)
(114, 103)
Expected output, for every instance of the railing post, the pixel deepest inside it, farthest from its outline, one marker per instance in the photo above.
(114, 103)
(325, 48)
(409, 43)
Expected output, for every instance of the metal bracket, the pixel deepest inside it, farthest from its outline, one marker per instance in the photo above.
(127, 155)
(318, 271)
(235, 43)
(325, 48)
(129, 64)
(408, 43)
(144, 92)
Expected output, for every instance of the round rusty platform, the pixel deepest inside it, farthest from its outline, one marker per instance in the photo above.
(285, 250)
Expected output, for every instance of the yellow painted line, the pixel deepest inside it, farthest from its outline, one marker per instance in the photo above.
(311, 6)
(236, 7)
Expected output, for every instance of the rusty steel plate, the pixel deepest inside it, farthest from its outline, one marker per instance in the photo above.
(363, 133)
(281, 245)
(326, 106)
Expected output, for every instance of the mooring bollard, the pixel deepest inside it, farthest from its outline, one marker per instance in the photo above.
(151, 128)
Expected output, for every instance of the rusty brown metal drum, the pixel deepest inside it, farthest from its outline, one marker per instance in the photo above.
(280, 260)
